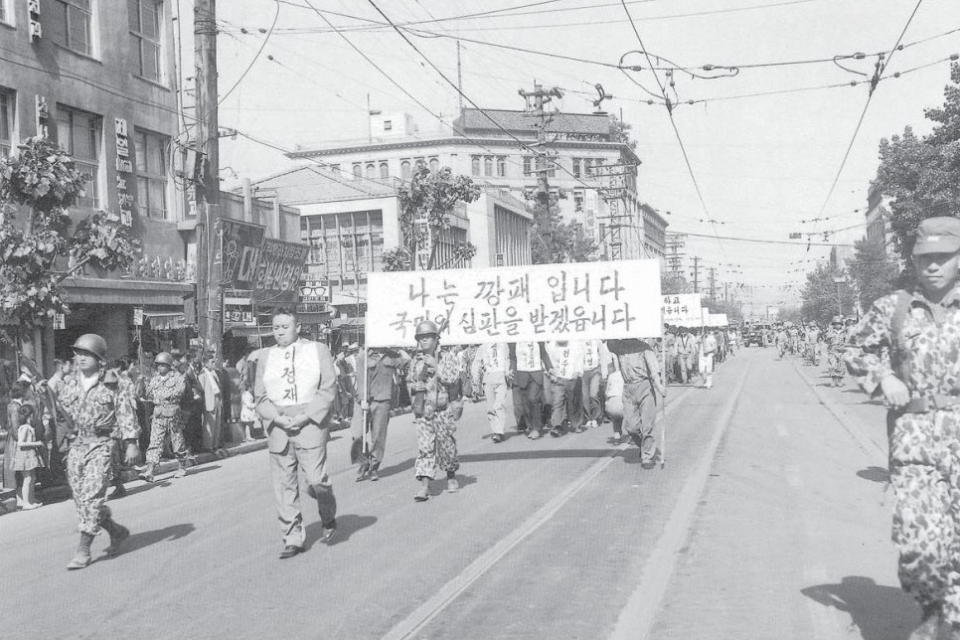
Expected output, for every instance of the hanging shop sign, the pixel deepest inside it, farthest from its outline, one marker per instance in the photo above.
(124, 168)
(279, 268)
(241, 252)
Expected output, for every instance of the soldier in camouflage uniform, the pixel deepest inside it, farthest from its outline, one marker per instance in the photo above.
(920, 385)
(165, 390)
(434, 382)
(98, 417)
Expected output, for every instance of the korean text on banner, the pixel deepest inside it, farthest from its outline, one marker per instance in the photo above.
(577, 301)
(278, 272)
(682, 310)
(241, 252)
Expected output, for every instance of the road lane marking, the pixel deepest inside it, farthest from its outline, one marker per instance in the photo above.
(638, 616)
(867, 444)
(426, 612)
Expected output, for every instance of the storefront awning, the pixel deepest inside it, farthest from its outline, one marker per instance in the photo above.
(166, 321)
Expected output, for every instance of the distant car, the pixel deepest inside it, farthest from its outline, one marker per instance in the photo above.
(754, 334)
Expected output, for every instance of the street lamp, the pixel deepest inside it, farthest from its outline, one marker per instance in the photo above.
(839, 280)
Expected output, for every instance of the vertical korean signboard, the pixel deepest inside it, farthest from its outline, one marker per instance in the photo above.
(279, 268)
(241, 252)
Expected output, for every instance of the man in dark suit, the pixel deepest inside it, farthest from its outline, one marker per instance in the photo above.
(294, 389)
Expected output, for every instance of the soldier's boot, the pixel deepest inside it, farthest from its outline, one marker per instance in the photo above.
(930, 623)
(82, 557)
(146, 472)
(118, 533)
(181, 468)
(424, 492)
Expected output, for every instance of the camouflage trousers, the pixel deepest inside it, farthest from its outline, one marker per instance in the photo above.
(437, 448)
(159, 429)
(925, 474)
(89, 471)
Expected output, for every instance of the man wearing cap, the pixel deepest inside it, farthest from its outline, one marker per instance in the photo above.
(375, 385)
(97, 416)
(294, 389)
(437, 397)
(165, 390)
(920, 385)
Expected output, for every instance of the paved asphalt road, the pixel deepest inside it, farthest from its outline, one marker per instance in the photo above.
(769, 521)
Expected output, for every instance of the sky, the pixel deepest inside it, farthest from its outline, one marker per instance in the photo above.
(757, 167)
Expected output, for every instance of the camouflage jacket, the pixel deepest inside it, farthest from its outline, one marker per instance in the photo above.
(166, 389)
(930, 338)
(442, 377)
(99, 412)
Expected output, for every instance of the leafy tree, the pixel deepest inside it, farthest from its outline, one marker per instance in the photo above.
(820, 299)
(672, 284)
(922, 175)
(37, 186)
(731, 308)
(425, 208)
(790, 314)
(621, 132)
(555, 241)
(874, 272)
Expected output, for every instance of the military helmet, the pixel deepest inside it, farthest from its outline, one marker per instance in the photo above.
(92, 343)
(163, 358)
(427, 328)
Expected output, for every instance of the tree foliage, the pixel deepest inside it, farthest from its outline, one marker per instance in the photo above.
(874, 272)
(37, 186)
(922, 175)
(425, 208)
(621, 132)
(820, 300)
(673, 284)
(555, 241)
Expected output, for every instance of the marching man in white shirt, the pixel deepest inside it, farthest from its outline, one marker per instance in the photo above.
(527, 360)
(563, 373)
(495, 359)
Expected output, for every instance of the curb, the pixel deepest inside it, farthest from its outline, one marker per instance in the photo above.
(60, 493)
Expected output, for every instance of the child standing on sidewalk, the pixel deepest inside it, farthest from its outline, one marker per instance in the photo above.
(248, 413)
(26, 458)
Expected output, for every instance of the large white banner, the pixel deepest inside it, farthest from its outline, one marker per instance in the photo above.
(682, 310)
(577, 301)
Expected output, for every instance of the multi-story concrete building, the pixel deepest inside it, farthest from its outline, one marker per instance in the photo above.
(593, 173)
(878, 213)
(99, 78)
(349, 224)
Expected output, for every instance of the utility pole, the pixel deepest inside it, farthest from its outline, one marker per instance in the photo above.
(209, 267)
(459, 78)
(726, 292)
(713, 283)
(540, 98)
(696, 274)
(675, 242)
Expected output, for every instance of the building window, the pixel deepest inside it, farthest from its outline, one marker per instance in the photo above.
(488, 166)
(8, 101)
(4, 12)
(577, 171)
(145, 18)
(578, 201)
(588, 167)
(371, 171)
(420, 162)
(151, 154)
(387, 125)
(384, 170)
(78, 133)
(527, 165)
(501, 167)
(475, 165)
(434, 165)
(405, 170)
(335, 168)
(357, 170)
(71, 25)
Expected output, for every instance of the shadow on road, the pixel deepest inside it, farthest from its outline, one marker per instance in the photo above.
(880, 613)
(874, 474)
(347, 525)
(146, 538)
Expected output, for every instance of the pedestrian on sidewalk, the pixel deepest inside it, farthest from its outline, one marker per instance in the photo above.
(920, 329)
(434, 381)
(497, 375)
(295, 385)
(165, 390)
(644, 392)
(211, 433)
(375, 396)
(21, 414)
(96, 414)
(526, 360)
(248, 412)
